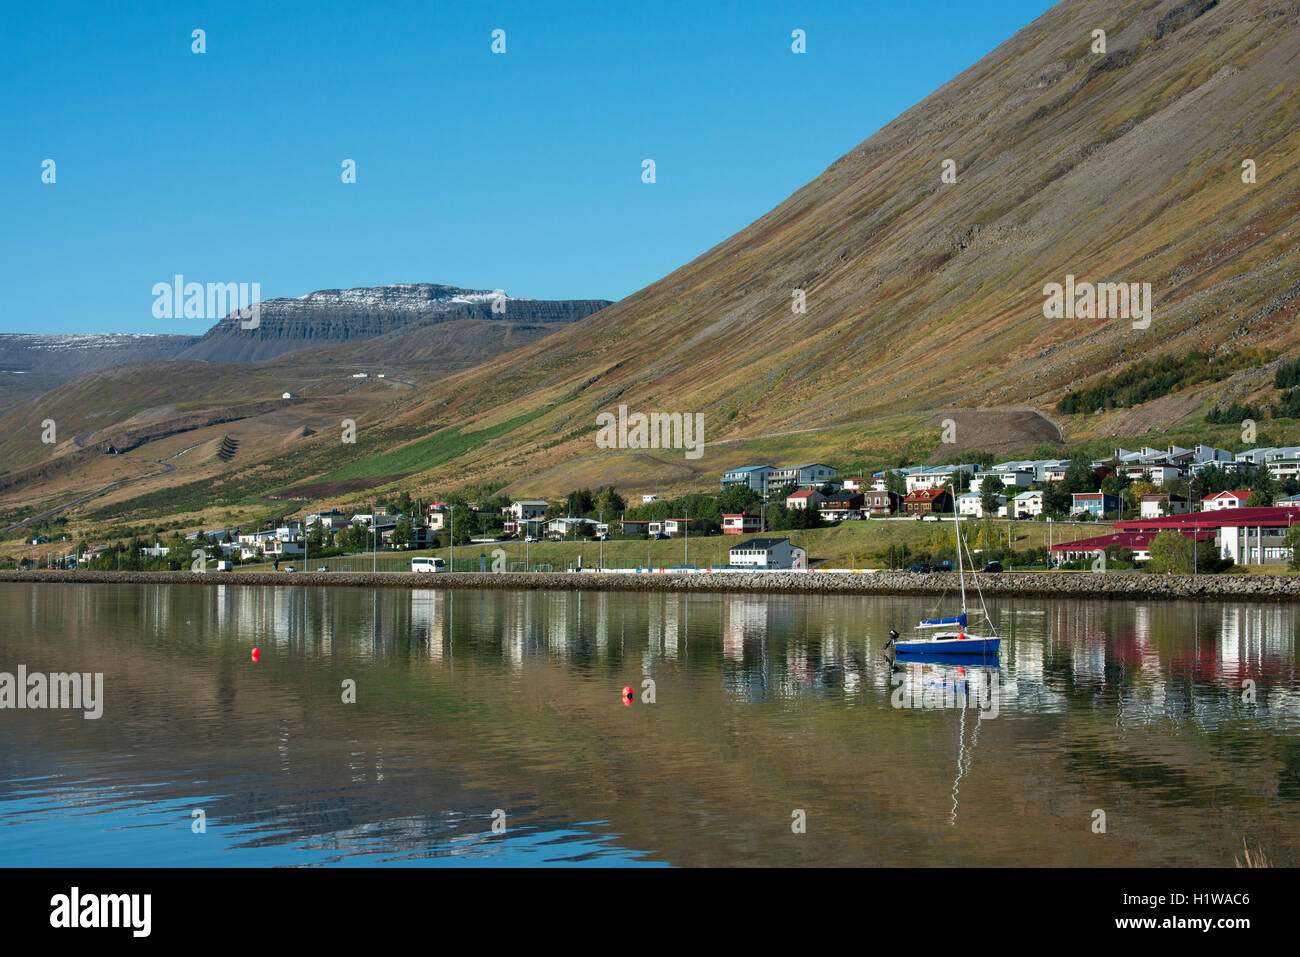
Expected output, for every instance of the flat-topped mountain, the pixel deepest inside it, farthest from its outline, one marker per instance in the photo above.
(332, 316)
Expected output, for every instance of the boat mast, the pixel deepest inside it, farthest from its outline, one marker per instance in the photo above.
(956, 528)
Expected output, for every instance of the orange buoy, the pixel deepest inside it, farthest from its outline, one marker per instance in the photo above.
(256, 654)
(627, 695)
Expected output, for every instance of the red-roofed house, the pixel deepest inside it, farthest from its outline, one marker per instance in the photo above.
(741, 523)
(804, 499)
(1237, 499)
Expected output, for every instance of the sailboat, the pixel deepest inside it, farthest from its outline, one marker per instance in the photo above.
(950, 636)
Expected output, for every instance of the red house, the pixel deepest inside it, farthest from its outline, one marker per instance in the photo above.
(741, 524)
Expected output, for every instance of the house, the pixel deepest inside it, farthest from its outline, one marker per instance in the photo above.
(813, 474)
(767, 553)
(1222, 500)
(841, 507)
(753, 476)
(331, 521)
(879, 502)
(290, 395)
(1026, 505)
(936, 476)
(972, 503)
(157, 550)
(1094, 503)
(853, 483)
(1163, 503)
(928, 501)
(1138, 542)
(804, 499)
(520, 513)
(672, 526)
(647, 499)
(1281, 469)
(564, 527)
(635, 526)
(524, 509)
(1006, 478)
(741, 523)
(1248, 535)
(1156, 473)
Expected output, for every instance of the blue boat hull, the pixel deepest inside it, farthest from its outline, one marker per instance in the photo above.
(926, 658)
(950, 646)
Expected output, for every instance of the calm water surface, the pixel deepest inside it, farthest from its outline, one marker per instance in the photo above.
(470, 702)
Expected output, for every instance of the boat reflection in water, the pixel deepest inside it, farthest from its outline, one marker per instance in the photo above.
(940, 681)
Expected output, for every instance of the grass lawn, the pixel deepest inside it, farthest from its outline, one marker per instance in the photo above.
(848, 545)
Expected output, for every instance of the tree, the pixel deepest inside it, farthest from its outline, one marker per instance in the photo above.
(989, 492)
(737, 498)
(609, 502)
(1079, 477)
(1293, 543)
(1171, 551)
(401, 536)
(895, 482)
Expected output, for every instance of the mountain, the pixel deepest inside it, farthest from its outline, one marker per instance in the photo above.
(925, 299)
(33, 364)
(925, 312)
(336, 316)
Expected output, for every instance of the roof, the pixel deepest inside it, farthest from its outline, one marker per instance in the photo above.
(529, 501)
(740, 515)
(803, 494)
(1236, 493)
(1134, 540)
(1029, 494)
(748, 468)
(926, 494)
(1162, 496)
(1265, 516)
(763, 543)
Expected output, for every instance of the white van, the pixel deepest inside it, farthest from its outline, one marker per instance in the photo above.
(428, 565)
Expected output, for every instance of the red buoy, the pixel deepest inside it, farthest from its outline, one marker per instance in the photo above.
(256, 654)
(627, 695)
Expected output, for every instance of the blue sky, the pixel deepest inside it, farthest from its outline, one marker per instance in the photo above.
(519, 171)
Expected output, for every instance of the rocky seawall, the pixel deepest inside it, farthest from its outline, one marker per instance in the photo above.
(1013, 584)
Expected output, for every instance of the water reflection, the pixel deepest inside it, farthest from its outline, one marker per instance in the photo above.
(1181, 719)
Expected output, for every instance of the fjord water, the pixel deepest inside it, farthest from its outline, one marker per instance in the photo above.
(472, 702)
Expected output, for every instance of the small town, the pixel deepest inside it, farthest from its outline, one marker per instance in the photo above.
(1227, 509)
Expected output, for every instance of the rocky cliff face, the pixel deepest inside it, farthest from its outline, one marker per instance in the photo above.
(333, 316)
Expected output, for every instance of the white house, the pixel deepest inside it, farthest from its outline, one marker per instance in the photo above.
(768, 553)
(972, 504)
(1008, 478)
(1161, 504)
(1026, 503)
(1221, 500)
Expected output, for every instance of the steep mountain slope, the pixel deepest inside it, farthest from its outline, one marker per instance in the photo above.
(333, 316)
(923, 295)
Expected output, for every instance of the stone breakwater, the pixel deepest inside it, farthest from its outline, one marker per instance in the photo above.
(1008, 584)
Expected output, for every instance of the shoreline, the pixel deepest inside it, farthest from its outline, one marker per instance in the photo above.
(1120, 586)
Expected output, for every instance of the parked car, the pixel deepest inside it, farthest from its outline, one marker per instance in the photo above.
(290, 568)
(530, 539)
(992, 567)
(920, 567)
(323, 568)
(942, 567)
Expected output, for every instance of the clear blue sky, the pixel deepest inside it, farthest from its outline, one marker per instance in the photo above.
(519, 171)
